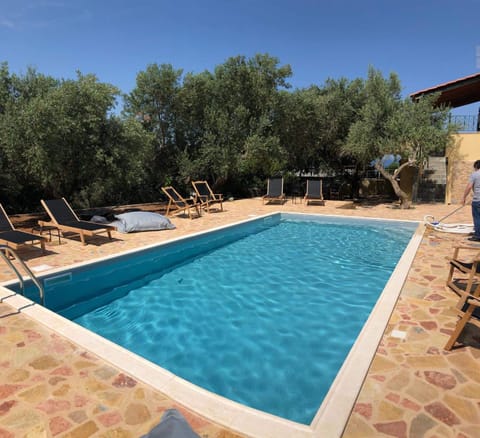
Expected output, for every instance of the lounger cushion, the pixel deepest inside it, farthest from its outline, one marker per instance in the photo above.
(141, 221)
(83, 225)
(19, 237)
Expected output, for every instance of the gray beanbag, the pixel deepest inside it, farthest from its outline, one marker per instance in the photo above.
(141, 221)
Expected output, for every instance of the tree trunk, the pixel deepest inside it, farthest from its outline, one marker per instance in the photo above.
(404, 201)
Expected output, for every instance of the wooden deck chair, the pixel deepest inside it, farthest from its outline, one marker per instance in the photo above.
(470, 314)
(179, 203)
(314, 192)
(64, 218)
(274, 191)
(15, 238)
(468, 267)
(206, 196)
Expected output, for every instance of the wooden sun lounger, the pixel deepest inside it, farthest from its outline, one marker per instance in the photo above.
(464, 271)
(16, 238)
(470, 313)
(314, 192)
(179, 204)
(64, 218)
(274, 191)
(206, 196)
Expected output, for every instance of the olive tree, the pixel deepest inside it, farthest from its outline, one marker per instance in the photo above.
(61, 138)
(388, 124)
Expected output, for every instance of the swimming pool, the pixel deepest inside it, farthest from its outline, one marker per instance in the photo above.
(275, 320)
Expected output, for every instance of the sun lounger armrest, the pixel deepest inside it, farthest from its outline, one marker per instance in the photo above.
(45, 223)
(467, 295)
(472, 248)
(473, 300)
(466, 248)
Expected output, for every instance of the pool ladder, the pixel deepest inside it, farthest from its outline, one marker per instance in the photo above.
(5, 253)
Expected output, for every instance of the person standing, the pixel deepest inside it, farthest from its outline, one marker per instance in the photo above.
(474, 186)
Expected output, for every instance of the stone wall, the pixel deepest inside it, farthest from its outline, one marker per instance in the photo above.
(459, 172)
(461, 156)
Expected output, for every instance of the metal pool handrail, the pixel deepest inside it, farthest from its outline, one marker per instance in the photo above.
(5, 253)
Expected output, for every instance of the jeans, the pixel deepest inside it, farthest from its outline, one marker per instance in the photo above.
(476, 217)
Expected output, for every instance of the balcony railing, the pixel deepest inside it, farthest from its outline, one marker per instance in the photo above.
(468, 123)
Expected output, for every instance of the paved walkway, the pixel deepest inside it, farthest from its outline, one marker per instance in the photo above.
(51, 387)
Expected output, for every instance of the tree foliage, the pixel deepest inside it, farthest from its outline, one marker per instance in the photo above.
(234, 126)
(315, 121)
(388, 124)
(239, 138)
(58, 138)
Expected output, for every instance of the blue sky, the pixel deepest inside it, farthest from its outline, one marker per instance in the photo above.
(425, 42)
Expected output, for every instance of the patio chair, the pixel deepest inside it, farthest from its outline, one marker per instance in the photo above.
(15, 238)
(469, 270)
(470, 314)
(180, 204)
(206, 196)
(314, 192)
(64, 218)
(274, 191)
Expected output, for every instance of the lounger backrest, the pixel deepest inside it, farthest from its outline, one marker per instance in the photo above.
(5, 224)
(174, 196)
(202, 188)
(275, 187)
(314, 187)
(60, 210)
(209, 189)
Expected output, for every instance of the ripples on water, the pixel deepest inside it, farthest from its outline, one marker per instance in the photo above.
(266, 321)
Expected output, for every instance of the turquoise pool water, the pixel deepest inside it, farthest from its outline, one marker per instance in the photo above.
(266, 318)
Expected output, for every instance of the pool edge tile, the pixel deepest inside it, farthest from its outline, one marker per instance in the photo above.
(345, 388)
(242, 419)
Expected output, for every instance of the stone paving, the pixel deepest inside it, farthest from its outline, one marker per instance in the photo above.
(51, 387)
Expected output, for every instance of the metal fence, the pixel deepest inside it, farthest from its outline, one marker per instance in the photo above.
(468, 123)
